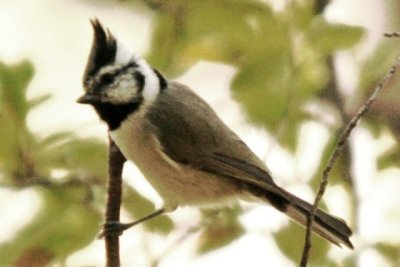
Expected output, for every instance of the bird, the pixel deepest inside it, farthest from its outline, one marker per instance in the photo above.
(178, 142)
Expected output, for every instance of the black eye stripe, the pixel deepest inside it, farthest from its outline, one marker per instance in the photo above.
(139, 77)
(108, 78)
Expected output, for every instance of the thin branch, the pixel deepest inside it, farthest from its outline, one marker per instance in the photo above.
(391, 34)
(338, 148)
(115, 164)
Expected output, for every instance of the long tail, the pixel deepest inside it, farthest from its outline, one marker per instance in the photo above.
(329, 227)
(258, 182)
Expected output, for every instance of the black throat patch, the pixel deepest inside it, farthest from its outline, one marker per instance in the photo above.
(114, 115)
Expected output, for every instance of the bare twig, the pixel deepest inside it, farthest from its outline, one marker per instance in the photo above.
(115, 164)
(338, 148)
(391, 34)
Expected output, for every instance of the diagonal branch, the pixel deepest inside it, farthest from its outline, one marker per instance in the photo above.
(391, 34)
(115, 164)
(338, 149)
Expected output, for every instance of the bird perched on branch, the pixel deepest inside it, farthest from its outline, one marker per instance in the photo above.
(179, 143)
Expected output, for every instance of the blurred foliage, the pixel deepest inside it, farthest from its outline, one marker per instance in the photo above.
(139, 206)
(67, 216)
(65, 223)
(279, 56)
(290, 240)
(283, 62)
(390, 251)
(220, 229)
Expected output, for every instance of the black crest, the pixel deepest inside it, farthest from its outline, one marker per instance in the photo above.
(103, 50)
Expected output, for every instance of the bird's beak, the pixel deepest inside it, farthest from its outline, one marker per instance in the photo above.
(88, 99)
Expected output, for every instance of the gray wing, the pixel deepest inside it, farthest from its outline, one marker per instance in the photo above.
(196, 136)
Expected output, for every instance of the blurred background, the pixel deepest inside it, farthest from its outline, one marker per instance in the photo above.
(285, 75)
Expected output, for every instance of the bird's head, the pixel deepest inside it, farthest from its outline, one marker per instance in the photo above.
(115, 79)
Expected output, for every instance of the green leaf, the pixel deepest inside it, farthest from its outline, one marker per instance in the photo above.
(301, 14)
(193, 30)
(10, 145)
(330, 37)
(390, 158)
(15, 158)
(165, 43)
(77, 155)
(225, 29)
(14, 81)
(65, 223)
(139, 206)
(262, 91)
(291, 242)
(222, 228)
(390, 251)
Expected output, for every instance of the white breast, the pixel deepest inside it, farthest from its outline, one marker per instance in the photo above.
(177, 184)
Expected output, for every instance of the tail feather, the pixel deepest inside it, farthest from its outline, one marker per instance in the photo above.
(327, 226)
(331, 228)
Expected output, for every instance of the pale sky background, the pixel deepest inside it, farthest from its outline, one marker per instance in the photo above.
(56, 35)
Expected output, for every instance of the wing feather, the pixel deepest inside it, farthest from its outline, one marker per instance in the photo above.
(202, 140)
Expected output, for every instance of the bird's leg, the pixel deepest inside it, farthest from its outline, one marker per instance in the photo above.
(112, 228)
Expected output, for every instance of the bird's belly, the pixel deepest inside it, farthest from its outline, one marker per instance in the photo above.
(177, 184)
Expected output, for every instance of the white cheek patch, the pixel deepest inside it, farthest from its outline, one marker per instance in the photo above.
(118, 96)
(151, 81)
(126, 90)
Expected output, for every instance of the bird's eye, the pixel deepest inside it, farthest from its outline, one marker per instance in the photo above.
(107, 79)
